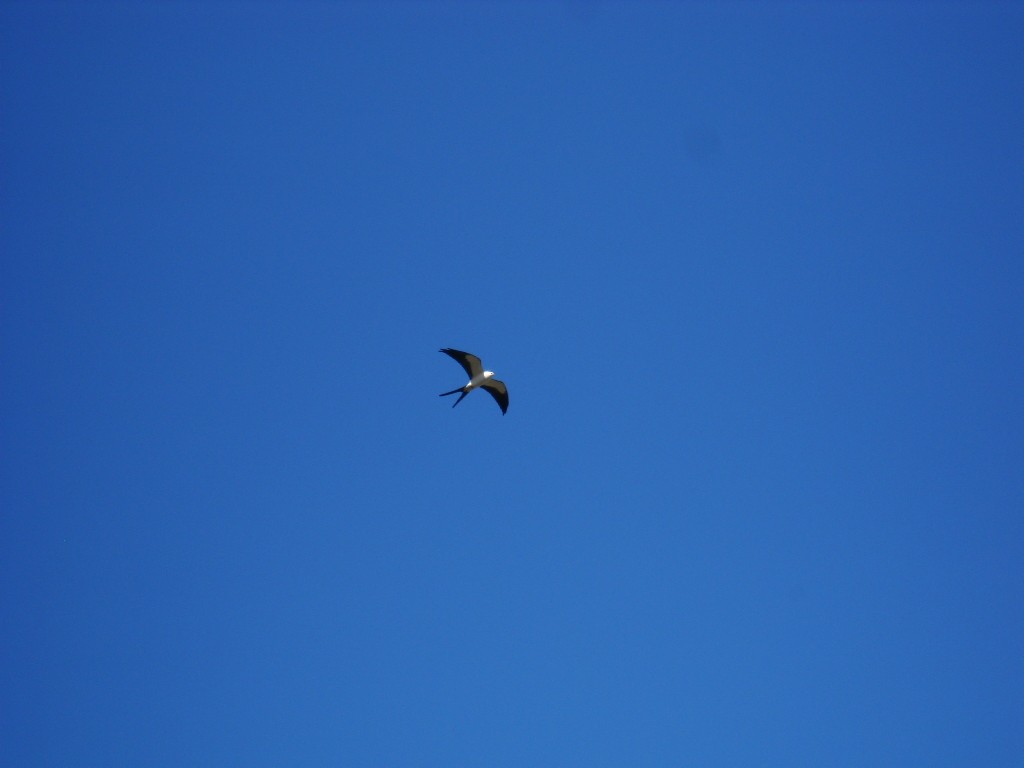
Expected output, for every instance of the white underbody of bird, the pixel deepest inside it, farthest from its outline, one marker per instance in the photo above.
(478, 377)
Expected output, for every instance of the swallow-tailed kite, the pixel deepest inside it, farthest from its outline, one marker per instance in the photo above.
(478, 377)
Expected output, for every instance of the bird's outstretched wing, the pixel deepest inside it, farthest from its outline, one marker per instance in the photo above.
(498, 391)
(471, 363)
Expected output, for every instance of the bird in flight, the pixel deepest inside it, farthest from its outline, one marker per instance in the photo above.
(478, 377)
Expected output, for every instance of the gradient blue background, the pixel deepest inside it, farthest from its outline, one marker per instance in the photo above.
(753, 274)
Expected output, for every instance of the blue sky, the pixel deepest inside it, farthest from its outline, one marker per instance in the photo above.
(752, 273)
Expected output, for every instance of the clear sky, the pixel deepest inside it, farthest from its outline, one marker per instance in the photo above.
(753, 274)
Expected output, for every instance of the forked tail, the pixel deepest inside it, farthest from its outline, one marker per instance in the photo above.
(460, 389)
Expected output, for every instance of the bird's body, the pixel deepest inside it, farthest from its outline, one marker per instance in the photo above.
(478, 377)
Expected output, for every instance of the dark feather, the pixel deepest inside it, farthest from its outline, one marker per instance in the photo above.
(470, 363)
